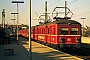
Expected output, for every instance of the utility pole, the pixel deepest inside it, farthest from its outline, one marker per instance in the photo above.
(66, 9)
(83, 27)
(17, 17)
(45, 11)
(30, 45)
(14, 18)
(13, 28)
(3, 18)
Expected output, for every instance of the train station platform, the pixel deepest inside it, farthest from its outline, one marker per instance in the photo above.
(86, 40)
(39, 52)
(20, 53)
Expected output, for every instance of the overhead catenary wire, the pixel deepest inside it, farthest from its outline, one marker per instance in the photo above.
(9, 11)
(12, 8)
(81, 7)
(48, 6)
(55, 3)
(82, 14)
(71, 2)
(8, 6)
(76, 8)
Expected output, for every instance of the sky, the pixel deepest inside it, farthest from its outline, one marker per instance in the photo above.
(80, 9)
(12, 8)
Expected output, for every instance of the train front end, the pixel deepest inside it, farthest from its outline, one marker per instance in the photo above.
(69, 34)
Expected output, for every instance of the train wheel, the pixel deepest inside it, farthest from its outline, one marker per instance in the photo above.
(43, 43)
(53, 46)
(40, 42)
(73, 48)
(78, 46)
(46, 43)
(49, 44)
(58, 47)
(37, 41)
(62, 47)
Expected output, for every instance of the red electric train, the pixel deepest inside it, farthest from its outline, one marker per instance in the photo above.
(23, 31)
(61, 33)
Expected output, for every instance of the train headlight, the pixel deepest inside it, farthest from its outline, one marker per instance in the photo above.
(61, 39)
(77, 39)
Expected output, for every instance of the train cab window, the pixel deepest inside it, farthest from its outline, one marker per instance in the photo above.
(73, 31)
(64, 31)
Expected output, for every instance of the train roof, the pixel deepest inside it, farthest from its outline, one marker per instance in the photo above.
(60, 21)
(65, 22)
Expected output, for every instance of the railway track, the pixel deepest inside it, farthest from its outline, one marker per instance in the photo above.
(84, 57)
(83, 52)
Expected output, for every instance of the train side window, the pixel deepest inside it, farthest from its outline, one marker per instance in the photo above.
(48, 30)
(39, 31)
(42, 31)
(54, 30)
